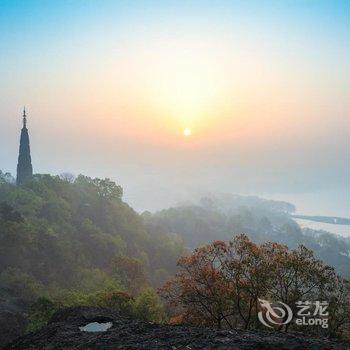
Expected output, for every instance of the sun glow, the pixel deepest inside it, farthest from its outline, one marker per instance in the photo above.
(164, 87)
(180, 85)
(187, 132)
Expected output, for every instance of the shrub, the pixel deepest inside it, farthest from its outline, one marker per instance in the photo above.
(40, 313)
(148, 306)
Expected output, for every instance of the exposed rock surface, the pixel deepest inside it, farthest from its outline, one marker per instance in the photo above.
(63, 333)
(12, 317)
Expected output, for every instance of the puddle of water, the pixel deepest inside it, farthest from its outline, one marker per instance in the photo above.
(96, 327)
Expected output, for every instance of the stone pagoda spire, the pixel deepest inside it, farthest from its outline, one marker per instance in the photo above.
(24, 166)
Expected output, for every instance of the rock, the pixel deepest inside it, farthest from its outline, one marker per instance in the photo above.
(12, 325)
(13, 318)
(63, 332)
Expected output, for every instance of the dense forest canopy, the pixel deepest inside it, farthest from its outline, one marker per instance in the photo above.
(64, 233)
(68, 240)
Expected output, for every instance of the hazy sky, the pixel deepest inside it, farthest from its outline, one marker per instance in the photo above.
(110, 86)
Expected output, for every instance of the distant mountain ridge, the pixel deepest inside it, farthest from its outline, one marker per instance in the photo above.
(335, 220)
(221, 216)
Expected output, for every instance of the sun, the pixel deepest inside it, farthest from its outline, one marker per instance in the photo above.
(187, 132)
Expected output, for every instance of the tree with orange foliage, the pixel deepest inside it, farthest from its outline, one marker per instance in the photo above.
(220, 284)
(201, 288)
(298, 275)
(249, 269)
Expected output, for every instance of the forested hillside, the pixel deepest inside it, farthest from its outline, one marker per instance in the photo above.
(220, 217)
(61, 235)
(68, 241)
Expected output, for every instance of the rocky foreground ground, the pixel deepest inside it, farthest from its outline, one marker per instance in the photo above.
(63, 333)
(12, 317)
